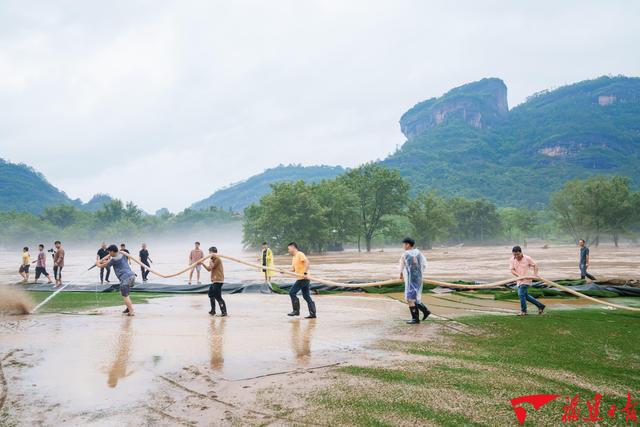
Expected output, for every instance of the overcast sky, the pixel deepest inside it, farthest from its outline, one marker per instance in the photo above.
(162, 102)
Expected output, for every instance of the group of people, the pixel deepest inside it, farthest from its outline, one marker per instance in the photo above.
(57, 254)
(143, 256)
(412, 265)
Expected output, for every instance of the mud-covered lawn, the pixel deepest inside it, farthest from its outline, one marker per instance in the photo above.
(468, 376)
(357, 364)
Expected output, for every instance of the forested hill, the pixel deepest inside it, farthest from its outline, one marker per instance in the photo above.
(468, 143)
(23, 189)
(238, 196)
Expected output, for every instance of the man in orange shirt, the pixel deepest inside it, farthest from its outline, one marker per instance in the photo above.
(300, 266)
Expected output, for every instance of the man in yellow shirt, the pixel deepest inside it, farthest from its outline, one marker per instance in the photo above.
(300, 266)
(26, 263)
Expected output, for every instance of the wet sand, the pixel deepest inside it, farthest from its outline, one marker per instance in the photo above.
(75, 368)
(174, 364)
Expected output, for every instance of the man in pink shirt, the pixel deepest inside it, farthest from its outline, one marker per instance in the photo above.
(196, 254)
(520, 266)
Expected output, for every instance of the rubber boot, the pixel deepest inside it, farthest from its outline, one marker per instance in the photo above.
(423, 308)
(296, 307)
(415, 316)
(223, 309)
(213, 306)
(312, 310)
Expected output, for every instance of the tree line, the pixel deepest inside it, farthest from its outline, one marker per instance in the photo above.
(115, 219)
(372, 204)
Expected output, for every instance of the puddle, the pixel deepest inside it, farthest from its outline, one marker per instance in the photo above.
(93, 363)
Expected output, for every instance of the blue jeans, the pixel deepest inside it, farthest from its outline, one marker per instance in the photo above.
(584, 273)
(303, 285)
(523, 293)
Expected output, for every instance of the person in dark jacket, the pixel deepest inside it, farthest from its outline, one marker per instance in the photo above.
(217, 280)
(144, 258)
(584, 260)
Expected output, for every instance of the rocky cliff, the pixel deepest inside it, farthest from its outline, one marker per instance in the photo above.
(468, 143)
(480, 104)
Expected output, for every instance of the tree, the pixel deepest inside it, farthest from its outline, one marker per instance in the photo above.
(110, 212)
(62, 215)
(475, 220)
(379, 191)
(518, 223)
(431, 218)
(588, 208)
(619, 213)
(341, 211)
(291, 212)
(133, 213)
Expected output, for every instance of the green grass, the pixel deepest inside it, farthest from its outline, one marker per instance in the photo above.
(565, 352)
(77, 301)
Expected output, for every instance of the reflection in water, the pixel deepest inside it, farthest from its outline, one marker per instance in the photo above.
(118, 369)
(301, 339)
(216, 341)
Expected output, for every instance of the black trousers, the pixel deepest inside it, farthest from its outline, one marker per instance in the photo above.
(215, 294)
(145, 272)
(57, 272)
(102, 278)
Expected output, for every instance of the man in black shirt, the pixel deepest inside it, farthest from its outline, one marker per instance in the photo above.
(103, 252)
(144, 258)
(123, 248)
(584, 260)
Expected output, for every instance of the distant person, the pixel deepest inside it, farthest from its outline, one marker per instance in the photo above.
(412, 266)
(123, 248)
(144, 258)
(41, 264)
(217, 280)
(195, 255)
(58, 263)
(300, 266)
(520, 266)
(26, 263)
(103, 252)
(123, 272)
(266, 260)
(584, 260)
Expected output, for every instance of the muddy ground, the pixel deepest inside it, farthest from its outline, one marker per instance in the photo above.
(173, 364)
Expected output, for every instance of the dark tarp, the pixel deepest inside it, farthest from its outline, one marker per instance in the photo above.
(231, 288)
(234, 288)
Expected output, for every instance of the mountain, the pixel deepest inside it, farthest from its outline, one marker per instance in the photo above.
(24, 189)
(468, 143)
(480, 104)
(96, 202)
(238, 196)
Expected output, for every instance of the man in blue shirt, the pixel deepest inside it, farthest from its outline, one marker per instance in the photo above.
(121, 267)
(584, 260)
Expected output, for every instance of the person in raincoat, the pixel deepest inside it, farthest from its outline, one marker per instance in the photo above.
(412, 266)
(266, 260)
